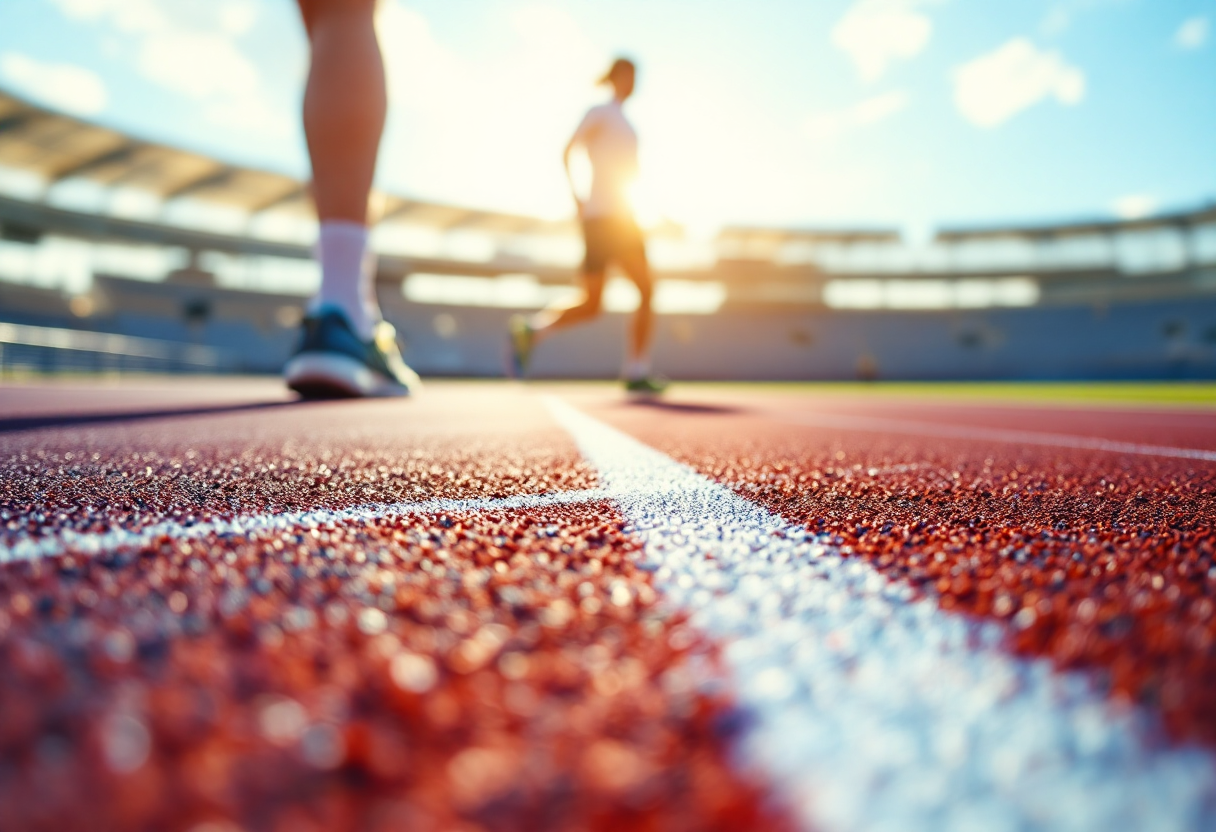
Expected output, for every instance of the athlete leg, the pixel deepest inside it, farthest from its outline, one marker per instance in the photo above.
(344, 112)
(641, 333)
(346, 348)
(560, 317)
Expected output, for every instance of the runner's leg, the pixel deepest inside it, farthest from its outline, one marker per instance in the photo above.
(346, 349)
(557, 317)
(641, 333)
(599, 240)
(344, 111)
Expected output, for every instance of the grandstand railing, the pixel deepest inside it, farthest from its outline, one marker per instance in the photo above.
(40, 349)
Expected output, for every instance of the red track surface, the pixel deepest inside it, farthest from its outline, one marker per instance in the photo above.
(110, 461)
(504, 669)
(1099, 560)
(510, 669)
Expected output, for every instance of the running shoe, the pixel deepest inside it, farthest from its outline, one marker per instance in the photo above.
(333, 362)
(646, 386)
(522, 339)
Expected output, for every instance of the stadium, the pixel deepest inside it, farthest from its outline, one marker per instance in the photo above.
(209, 266)
(920, 538)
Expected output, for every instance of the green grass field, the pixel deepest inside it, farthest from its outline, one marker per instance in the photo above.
(1190, 395)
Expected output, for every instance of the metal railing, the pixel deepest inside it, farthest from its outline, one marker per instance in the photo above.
(41, 349)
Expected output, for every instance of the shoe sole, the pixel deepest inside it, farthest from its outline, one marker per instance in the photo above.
(326, 376)
(647, 393)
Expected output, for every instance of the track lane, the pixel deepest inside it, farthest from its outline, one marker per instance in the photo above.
(876, 710)
(1097, 560)
(132, 395)
(91, 478)
(963, 494)
(952, 429)
(1193, 428)
(492, 659)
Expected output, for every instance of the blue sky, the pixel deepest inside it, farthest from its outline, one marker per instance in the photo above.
(779, 112)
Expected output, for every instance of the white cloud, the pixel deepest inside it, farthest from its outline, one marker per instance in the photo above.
(237, 17)
(547, 26)
(1192, 34)
(832, 125)
(1064, 13)
(876, 33)
(67, 87)
(1056, 22)
(250, 115)
(487, 128)
(198, 64)
(880, 107)
(191, 47)
(129, 16)
(1134, 206)
(995, 87)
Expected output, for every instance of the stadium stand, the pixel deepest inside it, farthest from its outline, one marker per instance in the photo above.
(194, 264)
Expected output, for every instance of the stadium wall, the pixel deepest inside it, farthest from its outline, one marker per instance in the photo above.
(1160, 340)
(253, 332)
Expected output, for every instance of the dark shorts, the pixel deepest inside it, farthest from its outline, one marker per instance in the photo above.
(610, 239)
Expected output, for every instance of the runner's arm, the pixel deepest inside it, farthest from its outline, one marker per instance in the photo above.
(570, 175)
(584, 133)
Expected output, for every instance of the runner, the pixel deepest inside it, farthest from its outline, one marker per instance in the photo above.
(610, 232)
(347, 349)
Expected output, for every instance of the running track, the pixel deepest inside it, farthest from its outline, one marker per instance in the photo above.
(503, 607)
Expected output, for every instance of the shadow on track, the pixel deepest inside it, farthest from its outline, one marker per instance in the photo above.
(60, 420)
(683, 407)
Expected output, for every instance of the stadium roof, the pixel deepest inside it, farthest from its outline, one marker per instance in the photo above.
(780, 236)
(749, 236)
(1182, 219)
(58, 147)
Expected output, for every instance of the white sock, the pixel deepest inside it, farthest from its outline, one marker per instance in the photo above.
(636, 368)
(347, 275)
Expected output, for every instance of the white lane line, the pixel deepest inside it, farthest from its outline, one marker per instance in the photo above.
(875, 711)
(29, 547)
(870, 424)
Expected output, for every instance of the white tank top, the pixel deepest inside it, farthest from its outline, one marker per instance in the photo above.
(612, 145)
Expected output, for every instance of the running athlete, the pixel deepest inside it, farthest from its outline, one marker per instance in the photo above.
(610, 232)
(347, 349)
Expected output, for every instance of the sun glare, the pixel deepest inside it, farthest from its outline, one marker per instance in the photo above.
(645, 204)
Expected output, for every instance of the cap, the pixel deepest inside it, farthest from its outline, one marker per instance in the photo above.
(618, 66)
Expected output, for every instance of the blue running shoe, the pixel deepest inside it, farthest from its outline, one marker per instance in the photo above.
(334, 363)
